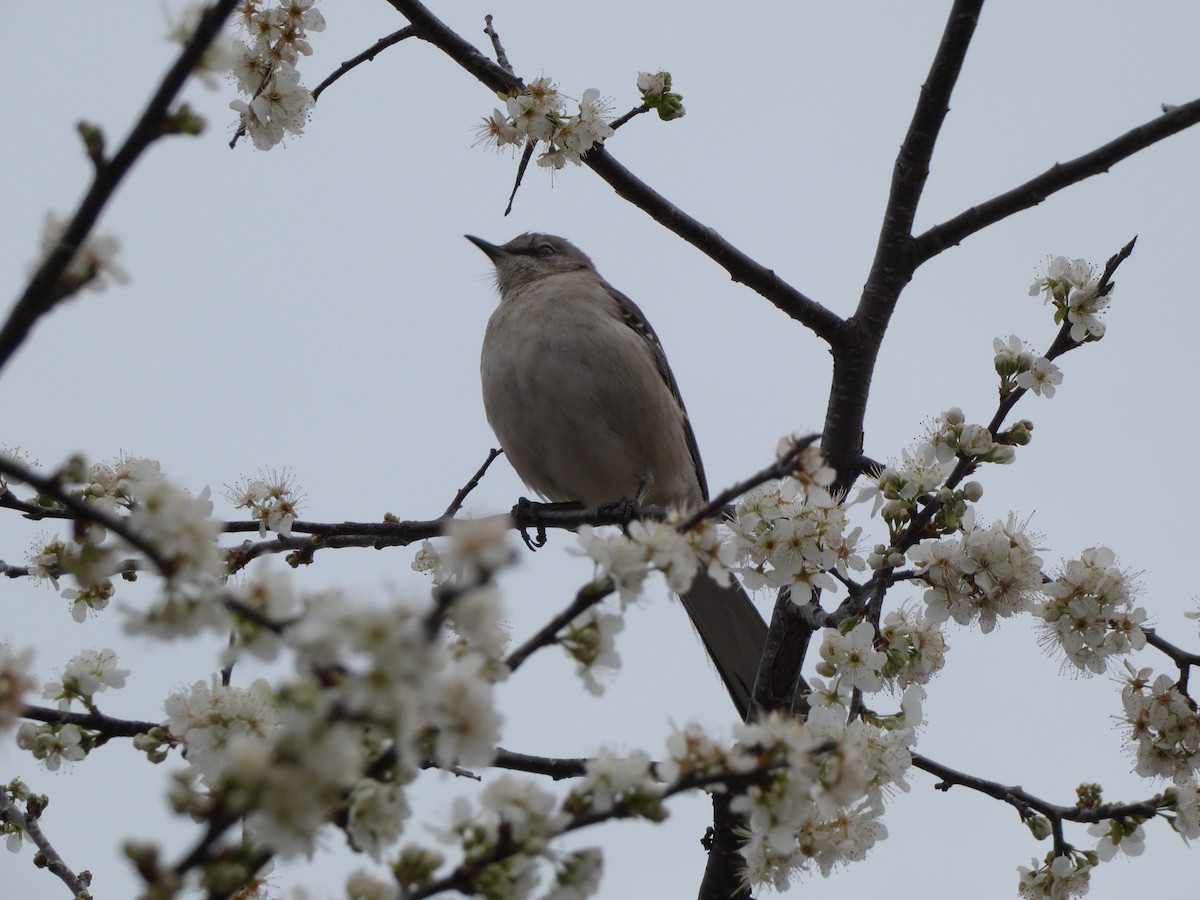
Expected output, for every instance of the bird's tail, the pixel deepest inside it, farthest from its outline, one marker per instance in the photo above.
(733, 633)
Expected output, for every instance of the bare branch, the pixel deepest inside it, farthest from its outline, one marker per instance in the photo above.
(42, 292)
(1027, 804)
(557, 769)
(92, 721)
(457, 502)
(501, 56)
(367, 55)
(739, 265)
(1059, 176)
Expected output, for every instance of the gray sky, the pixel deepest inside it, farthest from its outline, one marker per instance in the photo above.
(315, 307)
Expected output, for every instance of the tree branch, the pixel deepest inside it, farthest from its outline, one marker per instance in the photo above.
(92, 721)
(49, 857)
(587, 597)
(84, 511)
(741, 267)
(1027, 804)
(42, 292)
(367, 55)
(1059, 176)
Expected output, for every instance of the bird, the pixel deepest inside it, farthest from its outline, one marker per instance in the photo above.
(578, 390)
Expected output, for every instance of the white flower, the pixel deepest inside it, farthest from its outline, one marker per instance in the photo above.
(651, 84)
(464, 715)
(86, 674)
(221, 52)
(916, 647)
(271, 498)
(853, 657)
(782, 541)
(1186, 795)
(93, 264)
(1115, 836)
(1059, 878)
(613, 779)
(16, 680)
(1041, 377)
(52, 744)
(376, 817)
(577, 876)
(207, 717)
(989, 573)
(591, 641)
(531, 813)
(1084, 306)
(498, 130)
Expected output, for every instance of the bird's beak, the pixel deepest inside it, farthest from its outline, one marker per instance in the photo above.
(494, 253)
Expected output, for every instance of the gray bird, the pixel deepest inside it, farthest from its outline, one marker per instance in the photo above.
(578, 390)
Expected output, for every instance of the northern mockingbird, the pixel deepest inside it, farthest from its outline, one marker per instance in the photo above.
(578, 390)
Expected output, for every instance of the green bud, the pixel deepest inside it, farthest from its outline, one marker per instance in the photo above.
(93, 140)
(1039, 827)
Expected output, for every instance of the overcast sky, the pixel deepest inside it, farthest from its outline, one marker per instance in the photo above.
(316, 307)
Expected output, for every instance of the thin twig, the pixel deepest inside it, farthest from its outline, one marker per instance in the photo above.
(785, 465)
(457, 502)
(588, 596)
(51, 859)
(367, 55)
(501, 56)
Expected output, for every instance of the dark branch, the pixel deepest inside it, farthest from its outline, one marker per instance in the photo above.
(43, 291)
(1026, 803)
(588, 596)
(740, 266)
(457, 502)
(83, 510)
(92, 721)
(367, 55)
(540, 765)
(1054, 179)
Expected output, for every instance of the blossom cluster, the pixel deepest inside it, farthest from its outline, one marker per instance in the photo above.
(290, 757)
(648, 546)
(177, 524)
(955, 437)
(1090, 613)
(539, 113)
(1019, 367)
(1163, 724)
(271, 499)
(984, 574)
(901, 490)
(783, 539)
(1073, 286)
(823, 804)
(263, 66)
(85, 675)
(590, 640)
(915, 647)
(1057, 877)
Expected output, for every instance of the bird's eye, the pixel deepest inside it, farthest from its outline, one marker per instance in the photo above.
(545, 250)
